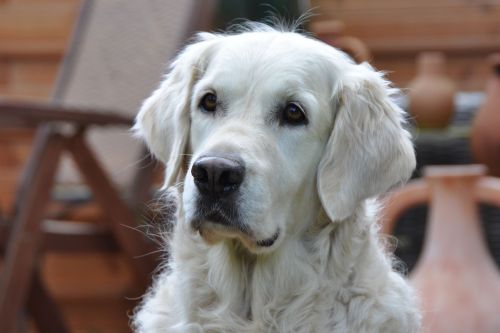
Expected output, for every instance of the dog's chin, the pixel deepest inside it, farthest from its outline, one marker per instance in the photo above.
(213, 233)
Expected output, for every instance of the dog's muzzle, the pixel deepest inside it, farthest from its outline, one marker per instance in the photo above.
(217, 179)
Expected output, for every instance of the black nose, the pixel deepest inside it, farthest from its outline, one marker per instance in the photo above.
(216, 175)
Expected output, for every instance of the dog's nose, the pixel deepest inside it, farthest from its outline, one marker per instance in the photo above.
(215, 175)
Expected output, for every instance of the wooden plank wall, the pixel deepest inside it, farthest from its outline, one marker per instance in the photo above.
(397, 30)
(33, 38)
(34, 33)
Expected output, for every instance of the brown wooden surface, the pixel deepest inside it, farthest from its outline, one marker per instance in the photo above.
(92, 289)
(31, 114)
(43, 309)
(24, 241)
(395, 31)
(121, 217)
(69, 237)
(33, 36)
(98, 315)
(409, 26)
(88, 276)
(15, 145)
(33, 39)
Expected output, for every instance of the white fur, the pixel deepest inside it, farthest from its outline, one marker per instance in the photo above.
(328, 270)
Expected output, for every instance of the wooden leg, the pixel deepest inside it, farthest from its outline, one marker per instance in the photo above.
(24, 239)
(43, 309)
(133, 243)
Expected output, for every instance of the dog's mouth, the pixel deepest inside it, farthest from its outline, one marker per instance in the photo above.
(270, 241)
(216, 223)
(213, 233)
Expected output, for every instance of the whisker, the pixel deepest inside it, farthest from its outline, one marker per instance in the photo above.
(148, 254)
(138, 230)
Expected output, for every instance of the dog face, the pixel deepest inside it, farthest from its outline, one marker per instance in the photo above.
(265, 127)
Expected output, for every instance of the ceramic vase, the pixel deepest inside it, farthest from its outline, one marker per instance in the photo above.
(431, 93)
(456, 277)
(485, 135)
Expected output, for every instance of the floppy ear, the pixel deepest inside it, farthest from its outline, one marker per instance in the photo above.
(163, 120)
(368, 151)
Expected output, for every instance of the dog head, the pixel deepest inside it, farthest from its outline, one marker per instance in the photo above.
(264, 127)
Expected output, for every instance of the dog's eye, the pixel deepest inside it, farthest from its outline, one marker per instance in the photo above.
(293, 114)
(209, 102)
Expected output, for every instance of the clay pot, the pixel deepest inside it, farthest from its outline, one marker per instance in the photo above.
(457, 279)
(332, 32)
(485, 135)
(431, 93)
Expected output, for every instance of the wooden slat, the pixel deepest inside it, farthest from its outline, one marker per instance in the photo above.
(35, 28)
(38, 19)
(332, 7)
(457, 45)
(28, 77)
(421, 14)
(391, 26)
(482, 27)
(4, 73)
(24, 240)
(43, 309)
(33, 72)
(33, 48)
(395, 31)
(15, 145)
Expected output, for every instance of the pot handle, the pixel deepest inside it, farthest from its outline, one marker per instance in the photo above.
(413, 193)
(417, 191)
(488, 190)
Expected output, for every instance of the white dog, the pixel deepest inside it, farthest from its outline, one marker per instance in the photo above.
(276, 142)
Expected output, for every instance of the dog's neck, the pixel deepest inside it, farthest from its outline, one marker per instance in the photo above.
(246, 286)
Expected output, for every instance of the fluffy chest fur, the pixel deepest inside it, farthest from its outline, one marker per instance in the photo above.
(335, 278)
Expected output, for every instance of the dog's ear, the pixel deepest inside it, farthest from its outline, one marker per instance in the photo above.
(163, 120)
(368, 151)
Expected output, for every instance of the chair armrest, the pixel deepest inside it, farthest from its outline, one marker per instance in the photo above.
(22, 114)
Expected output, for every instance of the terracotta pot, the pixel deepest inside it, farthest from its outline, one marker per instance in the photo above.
(431, 94)
(485, 136)
(457, 279)
(332, 32)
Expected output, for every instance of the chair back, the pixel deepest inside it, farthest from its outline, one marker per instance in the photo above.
(119, 51)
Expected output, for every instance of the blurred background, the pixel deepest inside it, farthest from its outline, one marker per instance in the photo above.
(76, 190)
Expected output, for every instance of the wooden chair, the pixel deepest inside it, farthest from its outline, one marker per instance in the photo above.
(117, 55)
